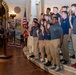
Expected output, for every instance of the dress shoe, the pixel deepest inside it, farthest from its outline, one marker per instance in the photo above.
(65, 62)
(60, 53)
(62, 60)
(48, 63)
(32, 56)
(73, 56)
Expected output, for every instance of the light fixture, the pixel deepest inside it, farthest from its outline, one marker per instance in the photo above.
(12, 14)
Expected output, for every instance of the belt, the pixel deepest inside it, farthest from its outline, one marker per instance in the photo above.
(65, 34)
(46, 39)
(55, 39)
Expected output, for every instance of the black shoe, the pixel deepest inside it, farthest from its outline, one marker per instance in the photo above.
(73, 56)
(60, 53)
(48, 63)
(45, 56)
(32, 56)
(62, 60)
(65, 62)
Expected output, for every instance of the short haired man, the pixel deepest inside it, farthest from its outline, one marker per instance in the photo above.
(73, 24)
(65, 24)
(55, 11)
(48, 11)
(56, 33)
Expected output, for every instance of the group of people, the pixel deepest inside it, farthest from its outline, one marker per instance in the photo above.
(51, 34)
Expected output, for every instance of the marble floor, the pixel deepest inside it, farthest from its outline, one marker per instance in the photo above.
(18, 64)
(65, 69)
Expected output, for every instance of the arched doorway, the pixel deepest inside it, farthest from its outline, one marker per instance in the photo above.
(4, 13)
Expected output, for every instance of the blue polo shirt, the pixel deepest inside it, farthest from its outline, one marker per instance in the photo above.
(34, 34)
(47, 36)
(31, 32)
(65, 24)
(41, 36)
(58, 15)
(74, 23)
(56, 31)
(73, 17)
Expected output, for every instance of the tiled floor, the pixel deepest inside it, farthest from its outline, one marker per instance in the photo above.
(18, 64)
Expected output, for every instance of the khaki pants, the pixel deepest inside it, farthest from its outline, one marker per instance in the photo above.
(65, 49)
(54, 49)
(74, 43)
(35, 45)
(47, 49)
(30, 44)
(41, 48)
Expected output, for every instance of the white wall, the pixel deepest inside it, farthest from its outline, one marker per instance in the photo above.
(58, 3)
(20, 3)
(47, 3)
(13, 3)
(35, 9)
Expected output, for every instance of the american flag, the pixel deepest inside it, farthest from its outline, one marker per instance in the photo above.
(25, 33)
(24, 21)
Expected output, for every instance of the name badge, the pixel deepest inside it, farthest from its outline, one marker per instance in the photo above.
(63, 21)
(73, 16)
(48, 34)
(54, 29)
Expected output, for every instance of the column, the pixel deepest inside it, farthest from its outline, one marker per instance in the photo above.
(28, 9)
(33, 9)
(38, 8)
(42, 6)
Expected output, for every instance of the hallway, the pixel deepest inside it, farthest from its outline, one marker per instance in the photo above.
(18, 64)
